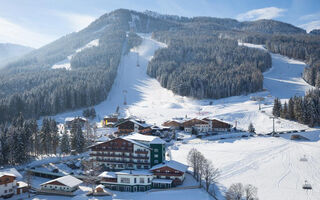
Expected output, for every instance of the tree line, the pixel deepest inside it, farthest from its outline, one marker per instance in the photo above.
(22, 140)
(302, 47)
(201, 65)
(305, 110)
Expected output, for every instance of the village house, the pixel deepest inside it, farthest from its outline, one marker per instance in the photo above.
(9, 184)
(173, 124)
(135, 151)
(218, 125)
(110, 120)
(199, 125)
(62, 184)
(70, 120)
(168, 174)
(165, 175)
(131, 125)
(128, 180)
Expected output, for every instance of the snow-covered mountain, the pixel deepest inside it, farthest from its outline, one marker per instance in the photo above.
(10, 51)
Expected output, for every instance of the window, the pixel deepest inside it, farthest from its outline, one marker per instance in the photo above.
(156, 155)
(135, 180)
(158, 170)
(10, 190)
(125, 180)
(156, 161)
(141, 180)
(156, 150)
(5, 191)
(148, 180)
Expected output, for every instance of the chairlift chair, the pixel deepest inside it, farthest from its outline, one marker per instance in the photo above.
(306, 185)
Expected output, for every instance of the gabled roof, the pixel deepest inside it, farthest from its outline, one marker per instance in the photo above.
(135, 122)
(123, 138)
(144, 138)
(10, 172)
(69, 119)
(107, 174)
(172, 164)
(69, 181)
(193, 122)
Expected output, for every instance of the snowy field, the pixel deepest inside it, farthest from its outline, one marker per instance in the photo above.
(271, 164)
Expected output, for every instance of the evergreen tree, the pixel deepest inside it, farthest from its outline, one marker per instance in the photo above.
(276, 107)
(284, 111)
(92, 113)
(65, 143)
(251, 129)
(54, 136)
(45, 136)
(77, 138)
(291, 109)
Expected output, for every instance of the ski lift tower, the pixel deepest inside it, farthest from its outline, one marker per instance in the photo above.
(125, 97)
(138, 65)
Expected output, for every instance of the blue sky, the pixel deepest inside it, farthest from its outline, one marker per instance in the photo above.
(38, 22)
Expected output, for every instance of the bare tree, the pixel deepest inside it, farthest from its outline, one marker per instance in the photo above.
(201, 160)
(210, 173)
(28, 179)
(192, 161)
(238, 192)
(91, 173)
(235, 192)
(250, 192)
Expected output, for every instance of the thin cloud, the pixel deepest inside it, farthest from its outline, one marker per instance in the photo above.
(15, 33)
(311, 25)
(313, 16)
(262, 13)
(76, 21)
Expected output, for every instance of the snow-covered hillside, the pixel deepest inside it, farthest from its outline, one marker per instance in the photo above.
(146, 98)
(271, 164)
(66, 62)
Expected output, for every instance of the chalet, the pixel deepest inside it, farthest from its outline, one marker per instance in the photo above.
(199, 125)
(8, 184)
(218, 125)
(127, 180)
(173, 124)
(70, 120)
(22, 187)
(110, 121)
(62, 184)
(135, 151)
(168, 174)
(131, 125)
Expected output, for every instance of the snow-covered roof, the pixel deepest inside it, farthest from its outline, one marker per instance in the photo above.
(69, 119)
(135, 122)
(107, 174)
(69, 181)
(172, 164)
(157, 180)
(135, 172)
(10, 172)
(137, 143)
(100, 186)
(146, 138)
(22, 184)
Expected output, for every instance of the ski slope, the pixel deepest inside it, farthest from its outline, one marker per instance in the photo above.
(146, 98)
(271, 164)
